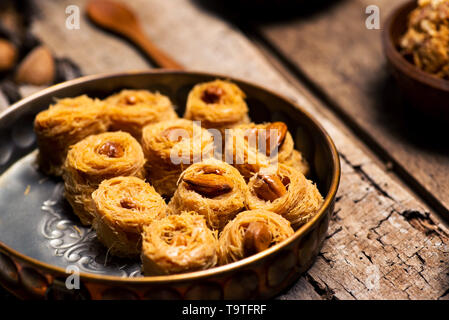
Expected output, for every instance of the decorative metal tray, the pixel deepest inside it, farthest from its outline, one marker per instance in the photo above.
(40, 237)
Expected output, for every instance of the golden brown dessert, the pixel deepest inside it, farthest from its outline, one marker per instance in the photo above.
(286, 192)
(297, 161)
(170, 147)
(97, 158)
(131, 110)
(280, 150)
(64, 124)
(177, 244)
(213, 189)
(243, 153)
(123, 205)
(251, 232)
(217, 104)
(103, 175)
(426, 41)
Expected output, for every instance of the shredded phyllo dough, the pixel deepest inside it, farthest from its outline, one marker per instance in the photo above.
(123, 205)
(228, 197)
(213, 189)
(217, 104)
(253, 133)
(177, 244)
(251, 232)
(94, 159)
(242, 155)
(131, 110)
(63, 124)
(170, 147)
(426, 41)
(286, 192)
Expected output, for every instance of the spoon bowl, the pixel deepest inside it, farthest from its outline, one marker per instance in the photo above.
(112, 15)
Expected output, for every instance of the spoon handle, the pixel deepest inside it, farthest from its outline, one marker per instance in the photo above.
(161, 58)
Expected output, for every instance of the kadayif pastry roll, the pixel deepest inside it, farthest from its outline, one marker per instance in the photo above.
(63, 124)
(286, 192)
(122, 206)
(97, 158)
(177, 244)
(213, 189)
(251, 232)
(131, 110)
(217, 104)
(280, 150)
(170, 147)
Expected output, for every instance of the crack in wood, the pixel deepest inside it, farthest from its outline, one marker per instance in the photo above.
(381, 222)
(420, 221)
(367, 256)
(445, 293)
(359, 169)
(420, 258)
(334, 233)
(398, 272)
(324, 291)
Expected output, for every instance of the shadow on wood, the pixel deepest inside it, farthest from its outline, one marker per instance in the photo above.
(403, 120)
(265, 11)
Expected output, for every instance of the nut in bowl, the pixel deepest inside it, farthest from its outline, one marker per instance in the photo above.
(265, 266)
(419, 66)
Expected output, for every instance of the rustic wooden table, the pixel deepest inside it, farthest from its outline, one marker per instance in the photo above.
(388, 238)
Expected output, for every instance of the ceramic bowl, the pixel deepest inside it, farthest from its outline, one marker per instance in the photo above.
(424, 91)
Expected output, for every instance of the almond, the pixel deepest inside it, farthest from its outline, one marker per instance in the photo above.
(269, 187)
(209, 170)
(285, 181)
(209, 185)
(212, 94)
(111, 149)
(38, 68)
(177, 134)
(130, 100)
(8, 55)
(281, 132)
(252, 168)
(257, 238)
(128, 203)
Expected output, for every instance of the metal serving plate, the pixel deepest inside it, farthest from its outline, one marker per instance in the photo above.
(40, 237)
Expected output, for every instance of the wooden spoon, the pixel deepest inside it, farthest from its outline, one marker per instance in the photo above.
(118, 18)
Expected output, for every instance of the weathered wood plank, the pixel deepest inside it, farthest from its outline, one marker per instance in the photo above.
(379, 230)
(4, 103)
(335, 50)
